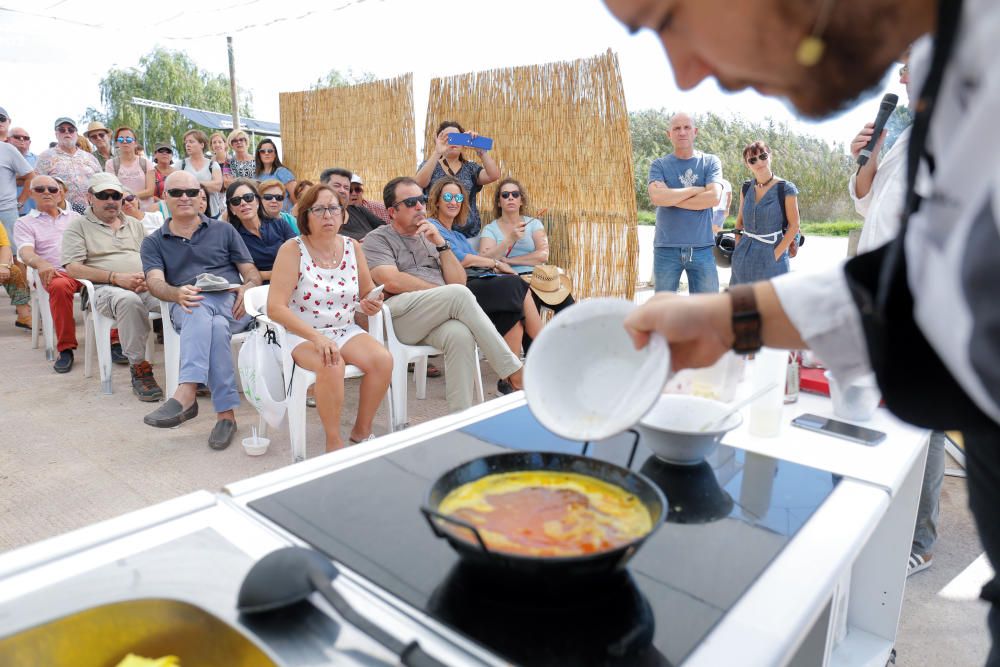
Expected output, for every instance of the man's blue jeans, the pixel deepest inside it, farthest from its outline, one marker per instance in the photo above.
(669, 263)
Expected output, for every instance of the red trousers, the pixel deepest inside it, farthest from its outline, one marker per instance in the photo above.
(61, 290)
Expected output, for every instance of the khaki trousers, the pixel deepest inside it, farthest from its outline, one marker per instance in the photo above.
(449, 319)
(130, 310)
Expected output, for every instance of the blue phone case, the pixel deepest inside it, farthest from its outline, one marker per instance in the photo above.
(465, 139)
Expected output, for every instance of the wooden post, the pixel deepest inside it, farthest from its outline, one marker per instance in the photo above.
(232, 83)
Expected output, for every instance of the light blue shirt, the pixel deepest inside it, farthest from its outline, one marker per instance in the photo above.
(679, 227)
(29, 204)
(524, 246)
(459, 243)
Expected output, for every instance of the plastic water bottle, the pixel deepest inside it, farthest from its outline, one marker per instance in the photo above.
(769, 367)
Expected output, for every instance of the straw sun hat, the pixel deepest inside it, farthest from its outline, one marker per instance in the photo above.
(551, 286)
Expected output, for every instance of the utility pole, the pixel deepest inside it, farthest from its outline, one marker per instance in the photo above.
(232, 84)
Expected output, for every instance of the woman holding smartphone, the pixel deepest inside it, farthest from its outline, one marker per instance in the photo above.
(447, 160)
(499, 291)
(316, 288)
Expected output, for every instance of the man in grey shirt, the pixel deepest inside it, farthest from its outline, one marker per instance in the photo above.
(427, 297)
(13, 166)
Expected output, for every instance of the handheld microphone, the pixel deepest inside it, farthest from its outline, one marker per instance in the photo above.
(885, 110)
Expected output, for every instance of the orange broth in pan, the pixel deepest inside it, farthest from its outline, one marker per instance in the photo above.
(543, 513)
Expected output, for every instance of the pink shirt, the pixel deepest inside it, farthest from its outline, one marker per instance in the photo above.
(44, 233)
(132, 177)
(75, 170)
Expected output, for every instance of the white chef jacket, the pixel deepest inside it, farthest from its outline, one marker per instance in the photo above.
(882, 207)
(953, 242)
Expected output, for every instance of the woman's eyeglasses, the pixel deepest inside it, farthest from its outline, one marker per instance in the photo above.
(511, 194)
(273, 197)
(411, 202)
(448, 197)
(753, 160)
(125, 140)
(105, 195)
(323, 211)
(265, 151)
(177, 193)
(51, 189)
(238, 140)
(248, 197)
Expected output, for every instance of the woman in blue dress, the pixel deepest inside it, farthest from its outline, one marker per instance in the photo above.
(761, 245)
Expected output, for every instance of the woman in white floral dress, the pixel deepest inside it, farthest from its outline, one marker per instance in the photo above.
(316, 287)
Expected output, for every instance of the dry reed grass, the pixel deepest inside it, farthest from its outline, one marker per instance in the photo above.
(562, 129)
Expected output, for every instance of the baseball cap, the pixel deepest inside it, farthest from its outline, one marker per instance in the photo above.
(4, 112)
(63, 120)
(161, 145)
(356, 179)
(102, 181)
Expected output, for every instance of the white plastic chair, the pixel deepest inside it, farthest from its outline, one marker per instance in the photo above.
(97, 337)
(172, 350)
(402, 355)
(41, 315)
(297, 379)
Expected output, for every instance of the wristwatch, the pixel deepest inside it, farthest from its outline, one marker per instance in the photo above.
(746, 320)
(442, 248)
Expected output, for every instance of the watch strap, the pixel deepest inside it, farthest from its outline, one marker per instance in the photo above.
(745, 319)
(442, 248)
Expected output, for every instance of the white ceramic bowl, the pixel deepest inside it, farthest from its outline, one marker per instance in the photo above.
(671, 429)
(256, 450)
(857, 401)
(583, 378)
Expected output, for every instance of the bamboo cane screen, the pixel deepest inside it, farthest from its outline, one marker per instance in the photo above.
(562, 130)
(367, 128)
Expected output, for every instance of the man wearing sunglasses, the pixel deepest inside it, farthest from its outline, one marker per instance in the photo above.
(360, 221)
(21, 140)
(68, 162)
(38, 242)
(685, 187)
(100, 136)
(190, 244)
(102, 246)
(13, 168)
(358, 199)
(427, 297)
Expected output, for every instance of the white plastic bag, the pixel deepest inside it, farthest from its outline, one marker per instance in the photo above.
(260, 373)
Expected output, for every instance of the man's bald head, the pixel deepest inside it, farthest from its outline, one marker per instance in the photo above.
(181, 179)
(42, 179)
(682, 133)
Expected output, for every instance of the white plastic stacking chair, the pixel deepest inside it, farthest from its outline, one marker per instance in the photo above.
(172, 350)
(402, 355)
(41, 316)
(297, 379)
(97, 337)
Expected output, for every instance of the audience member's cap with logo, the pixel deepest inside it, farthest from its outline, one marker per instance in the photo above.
(64, 120)
(551, 286)
(209, 282)
(356, 179)
(102, 181)
(94, 126)
(4, 112)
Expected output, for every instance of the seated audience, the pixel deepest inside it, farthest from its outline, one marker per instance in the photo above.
(519, 239)
(242, 163)
(173, 257)
(261, 234)
(501, 293)
(38, 240)
(102, 246)
(316, 287)
(150, 220)
(427, 296)
(269, 167)
(358, 199)
(360, 221)
(272, 196)
(14, 280)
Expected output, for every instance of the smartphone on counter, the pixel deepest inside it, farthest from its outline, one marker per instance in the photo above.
(465, 139)
(838, 429)
(375, 292)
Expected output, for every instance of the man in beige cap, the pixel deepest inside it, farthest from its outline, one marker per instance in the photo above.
(100, 136)
(102, 246)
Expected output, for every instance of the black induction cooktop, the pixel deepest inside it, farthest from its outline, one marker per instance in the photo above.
(728, 519)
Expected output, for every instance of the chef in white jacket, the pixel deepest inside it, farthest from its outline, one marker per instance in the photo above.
(921, 311)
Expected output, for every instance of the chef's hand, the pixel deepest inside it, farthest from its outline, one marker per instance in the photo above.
(698, 328)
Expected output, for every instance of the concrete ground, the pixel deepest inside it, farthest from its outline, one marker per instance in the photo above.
(72, 456)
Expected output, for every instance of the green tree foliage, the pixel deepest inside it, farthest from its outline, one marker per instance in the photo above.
(163, 76)
(819, 170)
(335, 79)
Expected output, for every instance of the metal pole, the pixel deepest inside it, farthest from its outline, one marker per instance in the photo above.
(232, 84)
(145, 139)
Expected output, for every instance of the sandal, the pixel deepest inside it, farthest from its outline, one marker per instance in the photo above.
(918, 563)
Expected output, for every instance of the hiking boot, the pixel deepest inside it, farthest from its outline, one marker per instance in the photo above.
(117, 356)
(64, 362)
(144, 384)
